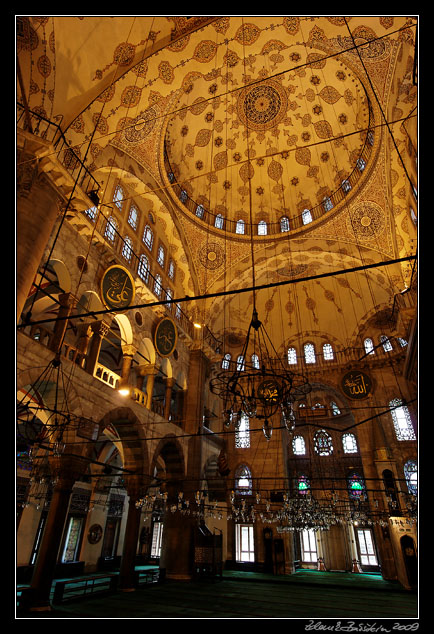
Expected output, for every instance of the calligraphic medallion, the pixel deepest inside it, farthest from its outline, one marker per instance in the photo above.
(117, 288)
(356, 385)
(269, 391)
(165, 337)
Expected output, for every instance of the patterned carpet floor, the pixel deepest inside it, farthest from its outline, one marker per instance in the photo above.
(237, 595)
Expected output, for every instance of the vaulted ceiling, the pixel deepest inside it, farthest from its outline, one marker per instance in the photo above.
(257, 118)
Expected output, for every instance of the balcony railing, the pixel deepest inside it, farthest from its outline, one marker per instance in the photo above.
(51, 132)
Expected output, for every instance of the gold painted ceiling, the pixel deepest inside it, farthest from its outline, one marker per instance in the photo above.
(257, 118)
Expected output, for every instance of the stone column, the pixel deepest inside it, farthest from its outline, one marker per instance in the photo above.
(151, 374)
(38, 205)
(100, 329)
(170, 382)
(128, 353)
(67, 304)
(83, 341)
(67, 470)
(127, 569)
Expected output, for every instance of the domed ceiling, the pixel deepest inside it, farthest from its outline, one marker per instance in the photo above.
(302, 129)
(261, 116)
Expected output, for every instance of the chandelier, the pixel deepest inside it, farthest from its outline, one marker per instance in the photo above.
(262, 388)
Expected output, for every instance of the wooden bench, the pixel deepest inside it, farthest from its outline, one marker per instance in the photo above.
(68, 589)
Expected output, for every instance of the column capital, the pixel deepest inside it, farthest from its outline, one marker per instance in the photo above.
(128, 350)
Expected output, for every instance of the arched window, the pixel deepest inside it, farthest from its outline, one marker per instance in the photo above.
(401, 420)
(335, 409)
(323, 443)
(284, 224)
(255, 361)
(262, 228)
(413, 216)
(402, 342)
(327, 351)
(148, 237)
(309, 353)
(240, 226)
(242, 432)
(219, 221)
(127, 249)
(369, 346)
(240, 363)
(361, 164)
(110, 229)
(356, 486)
(306, 216)
(171, 269)
(183, 195)
(143, 268)
(118, 197)
(349, 443)
(370, 137)
(387, 346)
(169, 296)
(298, 446)
(243, 480)
(92, 213)
(292, 356)
(161, 254)
(303, 484)
(346, 186)
(157, 285)
(200, 210)
(410, 473)
(327, 203)
(133, 217)
(226, 361)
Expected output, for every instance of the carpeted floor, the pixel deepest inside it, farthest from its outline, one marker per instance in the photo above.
(303, 595)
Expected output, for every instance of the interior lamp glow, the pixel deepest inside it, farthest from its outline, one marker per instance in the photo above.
(197, 325)
(123, 389)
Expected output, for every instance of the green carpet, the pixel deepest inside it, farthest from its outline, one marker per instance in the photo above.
(303, 595)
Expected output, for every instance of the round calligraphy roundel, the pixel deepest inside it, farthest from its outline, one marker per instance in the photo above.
(356, 385)
(117, 288)
(166, 337)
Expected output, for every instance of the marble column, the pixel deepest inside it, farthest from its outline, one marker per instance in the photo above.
(99, 329)
(67, 470)
(170, 382)
(67, 305)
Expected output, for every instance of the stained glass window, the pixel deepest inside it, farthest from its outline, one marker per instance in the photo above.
(361, 164)
(323, 443)
(401, 420)
(327, 204)
(349, 443)
(303, 484)
(240, 363)
(171, 269)
(243, 480)
(410, 472)
(200, 211)
(346, 186)
(133, 217)
(356, 486)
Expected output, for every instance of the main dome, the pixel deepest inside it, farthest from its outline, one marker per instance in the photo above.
(278, 143)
